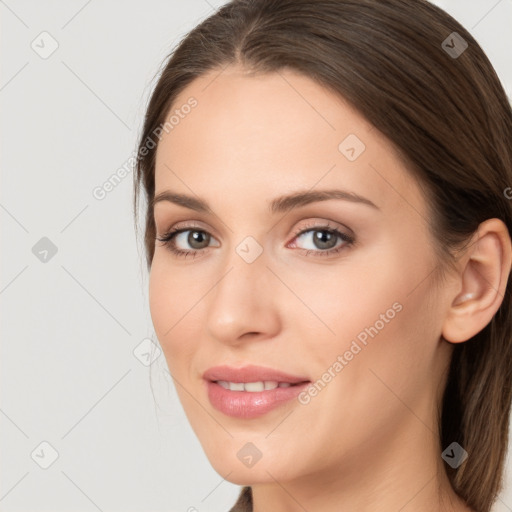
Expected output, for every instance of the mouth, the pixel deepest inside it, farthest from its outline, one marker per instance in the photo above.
(251, 391)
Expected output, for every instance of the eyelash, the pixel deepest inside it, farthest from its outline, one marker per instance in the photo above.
(167, 239)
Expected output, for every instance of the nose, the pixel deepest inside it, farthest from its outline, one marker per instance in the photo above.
(243, 305)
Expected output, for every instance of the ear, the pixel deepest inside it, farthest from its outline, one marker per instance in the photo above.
(484, 271)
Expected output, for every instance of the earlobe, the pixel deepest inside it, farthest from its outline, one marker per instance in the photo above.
(482, 282)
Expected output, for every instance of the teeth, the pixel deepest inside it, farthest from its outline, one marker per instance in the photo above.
(255, 386)
(252, 387)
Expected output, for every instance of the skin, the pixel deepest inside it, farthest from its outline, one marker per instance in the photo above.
(367, 439)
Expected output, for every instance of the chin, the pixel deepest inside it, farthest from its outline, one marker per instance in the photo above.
(234, 470)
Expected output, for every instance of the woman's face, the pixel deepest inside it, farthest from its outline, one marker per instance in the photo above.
(333, 290)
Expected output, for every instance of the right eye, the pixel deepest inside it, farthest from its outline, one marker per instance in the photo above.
(186, 241)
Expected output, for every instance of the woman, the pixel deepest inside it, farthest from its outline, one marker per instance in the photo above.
(327, 229)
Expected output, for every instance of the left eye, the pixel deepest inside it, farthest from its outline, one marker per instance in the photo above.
(321, 239)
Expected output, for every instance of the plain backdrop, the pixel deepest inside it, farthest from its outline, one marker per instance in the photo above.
(81, 428)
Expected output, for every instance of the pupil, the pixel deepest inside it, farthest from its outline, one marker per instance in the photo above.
(324, 239)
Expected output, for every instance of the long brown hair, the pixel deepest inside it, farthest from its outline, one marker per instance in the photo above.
(441, 105)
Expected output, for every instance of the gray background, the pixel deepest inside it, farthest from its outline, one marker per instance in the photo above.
(71, 323)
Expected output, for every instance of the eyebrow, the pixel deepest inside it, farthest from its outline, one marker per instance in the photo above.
(281, 204)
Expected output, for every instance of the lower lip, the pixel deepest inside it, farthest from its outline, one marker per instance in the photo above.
(247, 404)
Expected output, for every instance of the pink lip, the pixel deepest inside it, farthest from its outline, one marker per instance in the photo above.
(245, 404)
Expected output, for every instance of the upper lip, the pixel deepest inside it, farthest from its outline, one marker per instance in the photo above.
(250, 373)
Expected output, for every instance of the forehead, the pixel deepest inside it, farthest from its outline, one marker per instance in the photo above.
(275, 132)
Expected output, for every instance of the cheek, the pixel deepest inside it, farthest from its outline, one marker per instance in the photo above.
(171, 302)
(386, 341)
